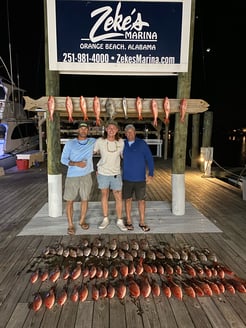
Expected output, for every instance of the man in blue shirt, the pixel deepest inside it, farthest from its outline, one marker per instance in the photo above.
(77, 155)
(136, 155)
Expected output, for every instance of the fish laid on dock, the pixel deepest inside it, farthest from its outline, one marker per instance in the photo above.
(154, 270)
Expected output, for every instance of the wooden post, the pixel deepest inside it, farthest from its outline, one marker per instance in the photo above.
(207, 133)
(207, 129)
(195, 140)
(180, 132)
(53, 136)
(166, 141)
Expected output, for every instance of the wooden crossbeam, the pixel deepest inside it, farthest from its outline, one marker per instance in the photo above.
(193, 106)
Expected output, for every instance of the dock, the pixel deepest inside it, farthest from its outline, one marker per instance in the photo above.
(213, 204)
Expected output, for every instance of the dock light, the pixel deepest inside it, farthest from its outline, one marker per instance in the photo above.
(206, 158)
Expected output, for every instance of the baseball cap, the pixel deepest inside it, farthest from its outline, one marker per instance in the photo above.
(83, 124)
(130, 126)
(112, 122)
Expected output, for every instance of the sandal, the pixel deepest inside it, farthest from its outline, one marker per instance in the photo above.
(144, 227)
(84, 226)
(71, 230)
(129, 226)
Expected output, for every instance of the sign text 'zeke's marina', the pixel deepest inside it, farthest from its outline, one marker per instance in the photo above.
(119, 37)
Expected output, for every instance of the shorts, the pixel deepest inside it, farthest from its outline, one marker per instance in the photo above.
(112, 182)
(78, 186)
(131, 188)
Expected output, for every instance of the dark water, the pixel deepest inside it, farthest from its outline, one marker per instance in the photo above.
(230, 151)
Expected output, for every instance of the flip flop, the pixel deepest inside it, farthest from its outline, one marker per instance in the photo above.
(129, 226)
(71, 230)
(144, 227)
(84, 226)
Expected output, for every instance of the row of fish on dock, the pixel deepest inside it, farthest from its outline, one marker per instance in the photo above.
(97, 270)
(111, 109)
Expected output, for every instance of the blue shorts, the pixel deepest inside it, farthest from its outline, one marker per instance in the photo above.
(112, 182)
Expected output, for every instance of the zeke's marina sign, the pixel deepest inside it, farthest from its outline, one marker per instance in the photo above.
(119, 37)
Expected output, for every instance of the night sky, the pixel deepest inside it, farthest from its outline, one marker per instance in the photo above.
(218, 63)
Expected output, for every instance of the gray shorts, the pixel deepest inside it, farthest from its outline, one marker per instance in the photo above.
(112, 182)
(134, 188)
(78, 186)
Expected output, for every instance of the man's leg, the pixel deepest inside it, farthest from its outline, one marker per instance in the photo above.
(128, 209)
(141, 210)
(118, 203)
(69, 211)
(104, 203)
(83, 211)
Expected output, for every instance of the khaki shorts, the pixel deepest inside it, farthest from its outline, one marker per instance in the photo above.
(78, 186)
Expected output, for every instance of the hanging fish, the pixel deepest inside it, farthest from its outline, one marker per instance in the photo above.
(51, 107)
(110, 108)
(97, 109)
(139, 107)
(83, 107)
(154, 108)
(166, 107)
(69, 108)
(182, 108)
(124, 105)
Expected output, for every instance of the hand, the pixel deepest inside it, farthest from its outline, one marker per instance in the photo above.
(149, 179)
(82, 164)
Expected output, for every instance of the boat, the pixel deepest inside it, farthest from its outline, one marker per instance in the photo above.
(18, 131)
